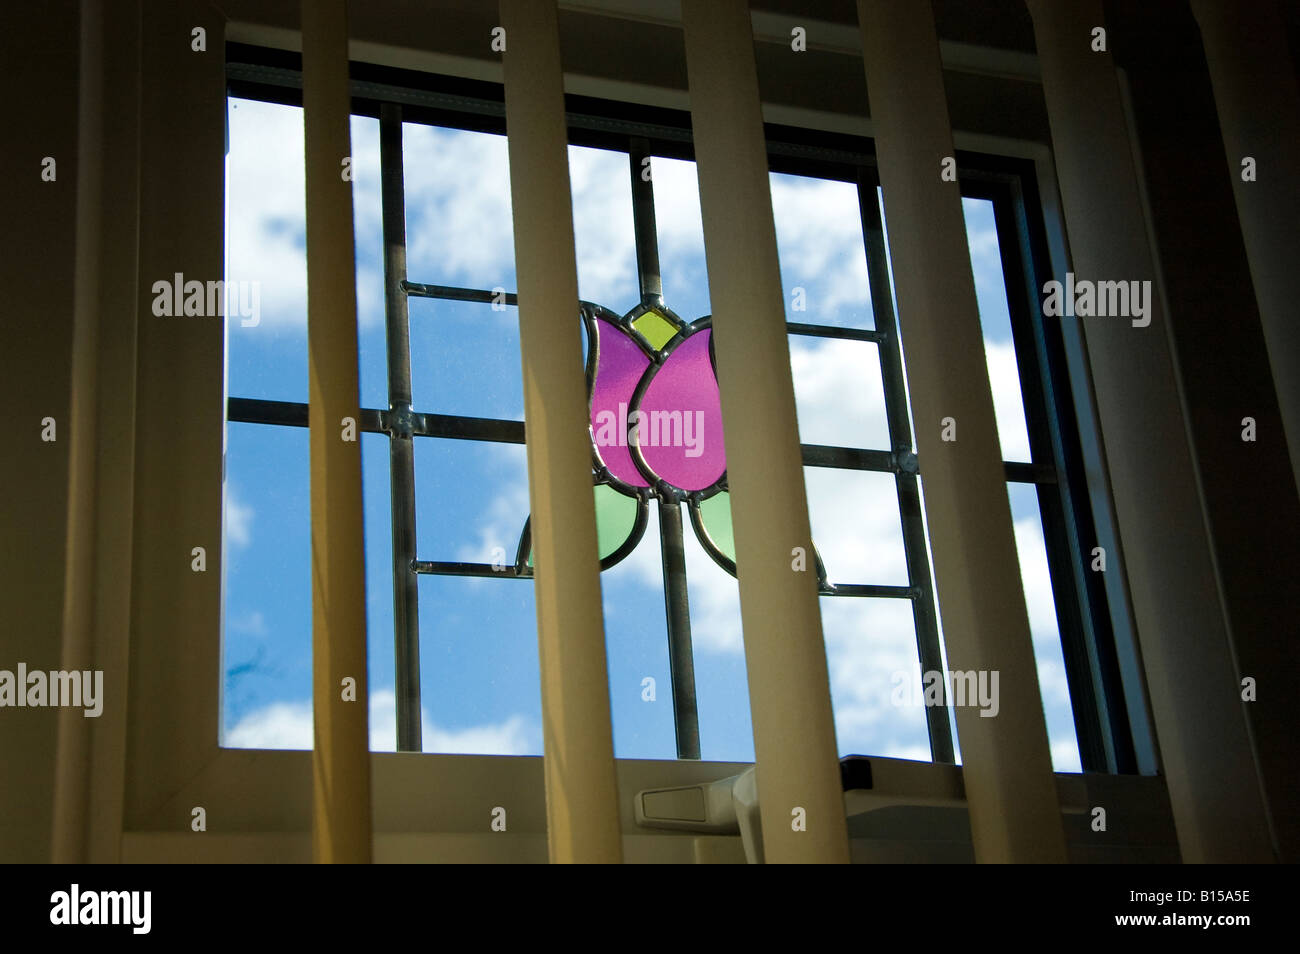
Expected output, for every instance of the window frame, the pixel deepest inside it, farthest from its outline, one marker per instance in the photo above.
(1098, 689)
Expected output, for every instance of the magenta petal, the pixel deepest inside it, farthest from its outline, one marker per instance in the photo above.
(619, 367)
(680, 432)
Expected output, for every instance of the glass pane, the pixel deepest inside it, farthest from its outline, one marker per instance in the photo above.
(266, 242)
(458, 216)
(471, 500)
(465, 359)
(823, 258)
(266, 230)
(377, 499)
(838, 392)
(604, 237)
(368, 228)
(266, 644)
(871, 653)
(722, 688)
(995, 319)
(479, 673)
(268, 624)
(856, 525)
(681, 237)
(1041, 604)
(636, 646)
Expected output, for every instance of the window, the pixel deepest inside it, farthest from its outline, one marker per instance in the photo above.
(448, 558)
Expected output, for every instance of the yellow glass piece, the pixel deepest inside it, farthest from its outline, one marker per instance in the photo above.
(655, 328)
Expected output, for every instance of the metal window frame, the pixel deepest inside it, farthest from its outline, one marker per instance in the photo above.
(395, 96)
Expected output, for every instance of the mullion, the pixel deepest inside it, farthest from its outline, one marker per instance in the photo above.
(406, 595)
(906, 483)
(672, 544)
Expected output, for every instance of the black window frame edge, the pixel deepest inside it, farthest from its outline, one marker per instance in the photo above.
(1088, 638)
(1097, 686)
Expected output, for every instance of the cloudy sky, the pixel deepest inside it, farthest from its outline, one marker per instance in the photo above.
(478, 646)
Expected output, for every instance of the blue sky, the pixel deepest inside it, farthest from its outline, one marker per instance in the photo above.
(479, 666)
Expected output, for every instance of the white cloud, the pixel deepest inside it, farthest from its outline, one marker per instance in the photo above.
(677, 214)
(868, 641)
(1053, 684)
(986, 262)
(681, 237)
(516, 735)
(368, 225)
(1008, 405)
(288, 725)
(266, 214)
(856, 525)
(239, 519)
(503, 520)
(458, 214)
(1037, 579)
(917, 753)
(281, 725)
(1065, 755)
(839, 394)
(266, 211)
(252, 623)
(602, 222)
(819, 238)
(714, 595)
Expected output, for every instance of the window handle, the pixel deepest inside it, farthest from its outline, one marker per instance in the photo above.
(727, 806)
